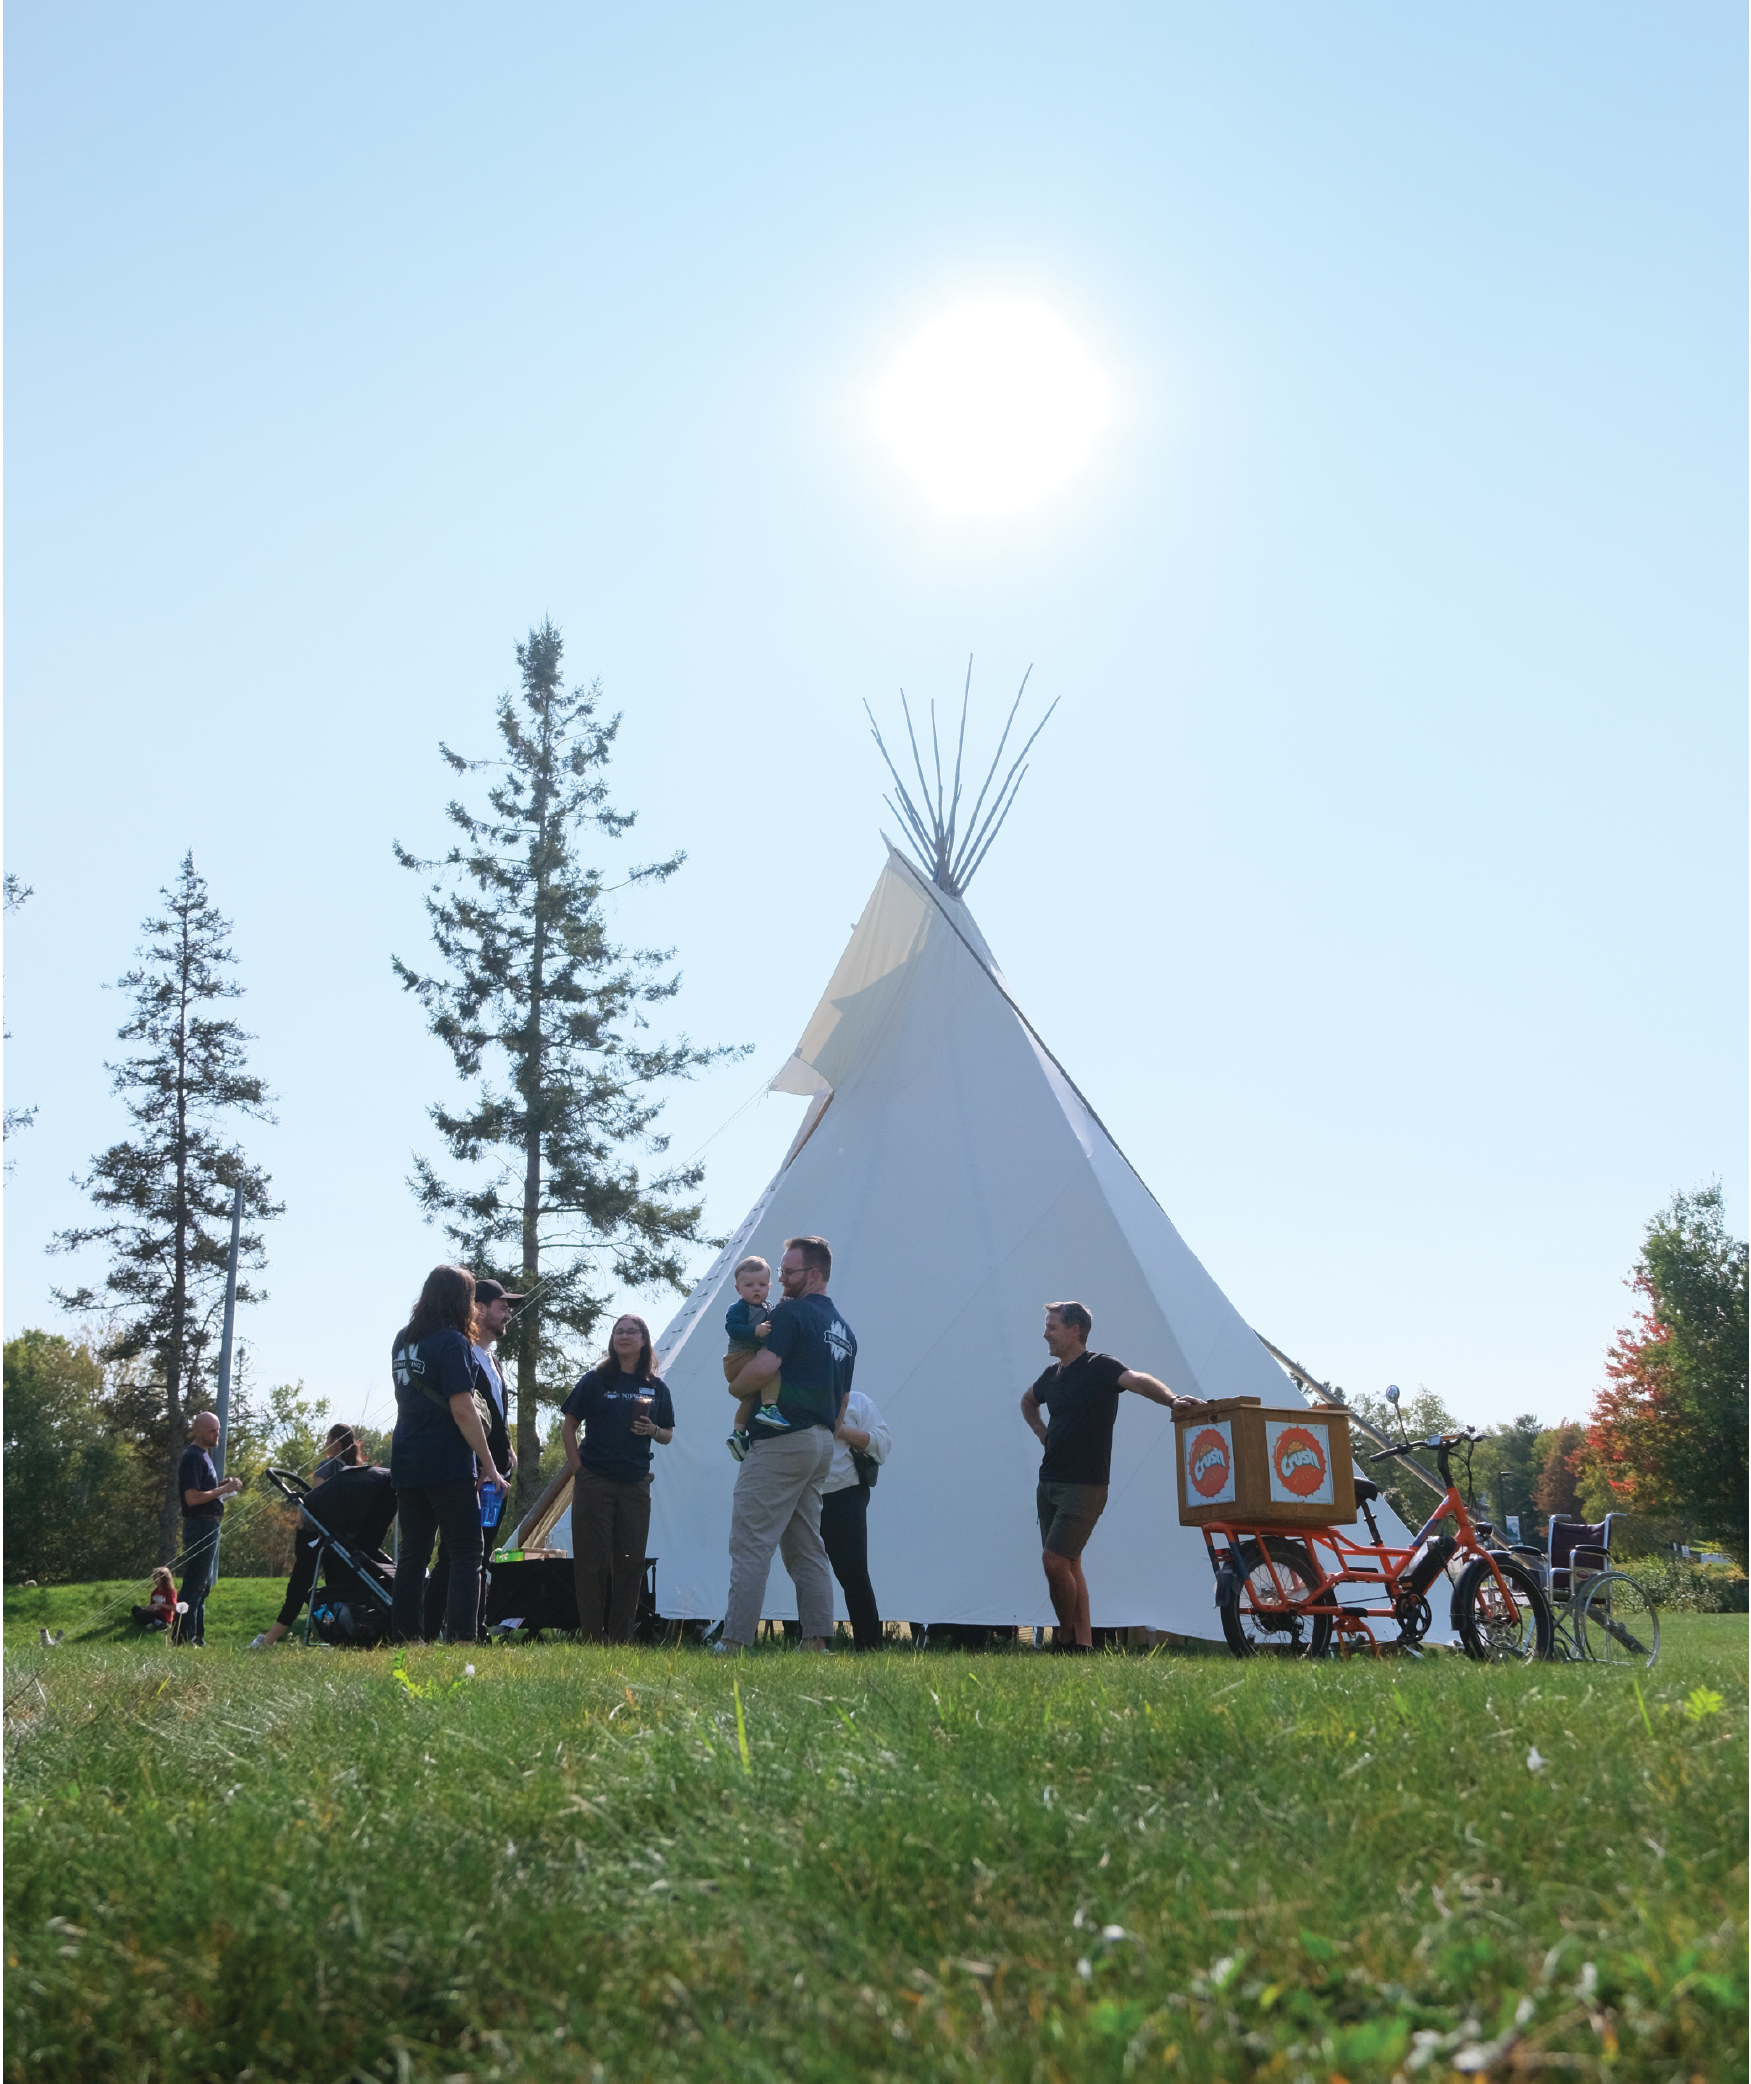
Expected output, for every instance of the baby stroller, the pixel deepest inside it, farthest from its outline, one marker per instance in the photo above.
(344, 1521)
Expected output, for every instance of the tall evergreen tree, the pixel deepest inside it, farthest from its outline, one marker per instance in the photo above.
(544, 1018)
(168, 1189)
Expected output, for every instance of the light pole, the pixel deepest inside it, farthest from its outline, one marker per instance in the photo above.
(222, 1402)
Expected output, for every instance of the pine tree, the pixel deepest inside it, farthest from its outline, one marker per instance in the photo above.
(169, 1188)
(543, 1016)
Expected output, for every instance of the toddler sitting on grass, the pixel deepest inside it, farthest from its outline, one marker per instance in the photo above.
(160, 1608)
(746, 1323)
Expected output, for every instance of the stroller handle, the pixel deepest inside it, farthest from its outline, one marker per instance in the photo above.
(289, 1483)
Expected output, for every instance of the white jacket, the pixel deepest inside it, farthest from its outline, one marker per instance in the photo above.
(860, 1411)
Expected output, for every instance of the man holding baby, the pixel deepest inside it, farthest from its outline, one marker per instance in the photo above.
(791, 1389)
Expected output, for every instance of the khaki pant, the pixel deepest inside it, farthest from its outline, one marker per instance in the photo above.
(610, 1522)
(778, 1506)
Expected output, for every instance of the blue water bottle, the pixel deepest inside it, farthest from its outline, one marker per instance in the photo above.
(492, 1503)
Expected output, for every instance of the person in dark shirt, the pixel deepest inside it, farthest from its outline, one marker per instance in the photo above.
(438, 1454)
(336, 1453)
(811, 1351)
(355, 1502)
(203, 1506)
(622, 1408)
(1082, 1391)
(494, 1306)
(746, 1324)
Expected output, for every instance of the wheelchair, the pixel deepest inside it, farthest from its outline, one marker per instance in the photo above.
(1600, 1615)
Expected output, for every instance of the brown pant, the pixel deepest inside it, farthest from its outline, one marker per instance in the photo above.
(610, 1523)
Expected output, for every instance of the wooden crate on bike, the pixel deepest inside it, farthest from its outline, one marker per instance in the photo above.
(1240, 1461)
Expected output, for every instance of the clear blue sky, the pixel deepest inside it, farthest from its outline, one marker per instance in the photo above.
(1381, 877)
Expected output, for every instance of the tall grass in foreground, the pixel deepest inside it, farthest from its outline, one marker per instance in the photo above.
(310, 1864)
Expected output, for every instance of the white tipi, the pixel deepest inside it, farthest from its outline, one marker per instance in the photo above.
(964, 1183)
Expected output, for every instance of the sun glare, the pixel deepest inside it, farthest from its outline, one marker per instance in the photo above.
(992, 407)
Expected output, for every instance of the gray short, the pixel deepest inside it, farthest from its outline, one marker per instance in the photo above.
(1068, 1512)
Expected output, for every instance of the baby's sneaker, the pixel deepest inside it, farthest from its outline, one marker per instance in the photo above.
(770, 1415)
(737, 1444)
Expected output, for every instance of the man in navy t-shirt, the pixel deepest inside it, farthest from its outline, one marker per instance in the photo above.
(1082, 1391)
(203, 1505)
(778, 1487)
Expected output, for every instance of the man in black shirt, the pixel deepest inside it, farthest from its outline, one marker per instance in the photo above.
(1082, 1390)
(203, 1506)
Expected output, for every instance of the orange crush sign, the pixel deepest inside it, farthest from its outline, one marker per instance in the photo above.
(1209, 1453)
(1300, 1464)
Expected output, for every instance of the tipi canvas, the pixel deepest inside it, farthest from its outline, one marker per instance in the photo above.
(964, 1184)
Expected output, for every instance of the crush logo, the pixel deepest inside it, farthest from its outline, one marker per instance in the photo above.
(1209, 1465)
(1298, 1460)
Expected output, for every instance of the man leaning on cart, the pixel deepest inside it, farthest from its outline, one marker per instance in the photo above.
(1082, 1391)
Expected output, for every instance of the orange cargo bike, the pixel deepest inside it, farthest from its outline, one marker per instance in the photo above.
(1269, 1491)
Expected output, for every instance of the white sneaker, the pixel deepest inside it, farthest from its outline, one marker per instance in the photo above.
(725, 1650)
(261, 1643)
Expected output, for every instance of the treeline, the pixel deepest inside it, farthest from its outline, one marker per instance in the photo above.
(554, 1176)
(83, 1488)
(1665, 1441)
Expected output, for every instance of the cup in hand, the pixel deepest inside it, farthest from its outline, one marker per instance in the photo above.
(643, 1404)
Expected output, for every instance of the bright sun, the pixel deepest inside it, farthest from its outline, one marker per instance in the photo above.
(992, 407)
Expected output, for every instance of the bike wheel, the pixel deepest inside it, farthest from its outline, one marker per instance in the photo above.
(1617, 1623)
(1264, 1616)
(1495, 1630)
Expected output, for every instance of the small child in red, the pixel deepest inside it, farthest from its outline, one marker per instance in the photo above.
(160, 1606)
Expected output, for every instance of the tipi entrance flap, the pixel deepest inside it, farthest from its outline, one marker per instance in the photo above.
(892, 927)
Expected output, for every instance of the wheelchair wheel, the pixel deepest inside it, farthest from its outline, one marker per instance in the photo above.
(1495, 1630)
(1617, 1623)
(1257, 1618)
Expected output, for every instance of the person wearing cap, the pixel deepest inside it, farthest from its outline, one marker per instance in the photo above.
(494, 1307)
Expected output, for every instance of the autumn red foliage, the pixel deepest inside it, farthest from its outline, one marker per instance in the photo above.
(1669, 1428)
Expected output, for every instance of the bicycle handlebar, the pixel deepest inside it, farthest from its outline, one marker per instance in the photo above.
(1437, 1445)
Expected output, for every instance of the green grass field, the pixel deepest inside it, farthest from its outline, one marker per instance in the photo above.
(582, 1863)
(240, 1608)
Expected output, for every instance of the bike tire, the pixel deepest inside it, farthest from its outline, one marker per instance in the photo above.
(1300, 1635)
(1488, 1633)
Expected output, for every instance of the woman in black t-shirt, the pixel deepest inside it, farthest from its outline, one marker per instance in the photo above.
(623, 1407)
(438, 1456)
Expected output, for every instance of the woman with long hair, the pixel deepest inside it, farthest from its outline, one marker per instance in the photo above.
(622, 1408)
(438, 1455)
(337, 1452)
